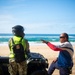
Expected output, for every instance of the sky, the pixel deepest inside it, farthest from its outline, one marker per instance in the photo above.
(38, 16)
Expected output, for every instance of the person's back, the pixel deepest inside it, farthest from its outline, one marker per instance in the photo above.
(18, 48)
(17, 57)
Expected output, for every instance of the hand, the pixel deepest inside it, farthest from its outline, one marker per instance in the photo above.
(55, 60)
(44, 41)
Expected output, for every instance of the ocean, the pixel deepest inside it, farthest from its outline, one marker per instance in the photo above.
(36, 38)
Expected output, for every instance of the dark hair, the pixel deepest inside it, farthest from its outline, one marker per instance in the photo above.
(66, 35)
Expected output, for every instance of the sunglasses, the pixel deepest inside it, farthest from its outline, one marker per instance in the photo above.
(62, 36)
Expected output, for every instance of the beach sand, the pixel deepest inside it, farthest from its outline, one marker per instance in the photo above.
(44, 50)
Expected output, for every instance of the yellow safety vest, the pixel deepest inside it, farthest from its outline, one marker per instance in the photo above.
(16, 41)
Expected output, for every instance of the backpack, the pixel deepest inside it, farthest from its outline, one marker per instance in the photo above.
(18, 50)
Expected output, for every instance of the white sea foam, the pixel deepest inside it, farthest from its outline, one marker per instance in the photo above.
(40, 43)
(4, 44)
(34, 43)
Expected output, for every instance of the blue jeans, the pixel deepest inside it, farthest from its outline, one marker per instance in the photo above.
(62, 71)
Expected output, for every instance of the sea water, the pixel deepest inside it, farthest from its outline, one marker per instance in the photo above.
(35, 39)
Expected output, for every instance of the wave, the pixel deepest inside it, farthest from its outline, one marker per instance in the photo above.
(37, 37)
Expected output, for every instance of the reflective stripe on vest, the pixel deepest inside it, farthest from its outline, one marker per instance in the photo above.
(16, 41)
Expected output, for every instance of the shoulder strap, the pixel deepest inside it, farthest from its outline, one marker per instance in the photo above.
(21, 40)
(13, 40)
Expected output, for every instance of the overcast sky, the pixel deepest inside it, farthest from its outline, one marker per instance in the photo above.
(38, 16)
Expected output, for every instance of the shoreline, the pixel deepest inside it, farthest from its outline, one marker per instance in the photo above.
(34, 43)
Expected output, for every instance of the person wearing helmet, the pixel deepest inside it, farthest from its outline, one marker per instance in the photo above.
(17, 58)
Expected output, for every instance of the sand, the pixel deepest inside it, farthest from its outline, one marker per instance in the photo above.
(44, 50)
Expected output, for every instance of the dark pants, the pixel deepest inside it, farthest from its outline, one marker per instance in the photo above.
(62, 71)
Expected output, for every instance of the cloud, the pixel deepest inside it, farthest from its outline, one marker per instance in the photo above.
(48, 28)
(6, 22)
(5, 19)
(34, 18)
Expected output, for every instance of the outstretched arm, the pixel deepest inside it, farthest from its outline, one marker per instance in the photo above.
(53, 47)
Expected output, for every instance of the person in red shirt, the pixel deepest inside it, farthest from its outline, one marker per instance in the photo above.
(64, 62)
